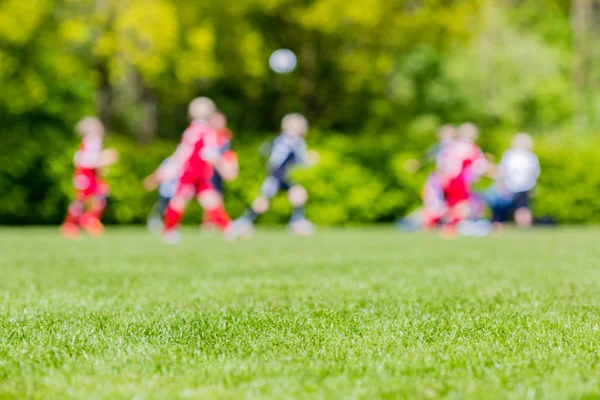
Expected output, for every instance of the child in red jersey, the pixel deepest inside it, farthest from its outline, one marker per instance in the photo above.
(460, 164)
(196, 157)
(90, 189)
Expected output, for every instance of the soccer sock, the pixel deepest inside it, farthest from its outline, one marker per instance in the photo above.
(97, 208)
(250, 215)
(206, 218)
(74, 213)
(158, 211)
(298, 213)
(219, 217)
(172, 218)
(455, 216)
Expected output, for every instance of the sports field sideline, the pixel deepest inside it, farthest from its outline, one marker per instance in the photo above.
(369, 313)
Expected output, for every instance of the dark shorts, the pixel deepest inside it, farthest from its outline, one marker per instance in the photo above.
(217, 182)
(522, 200)
(504, 206)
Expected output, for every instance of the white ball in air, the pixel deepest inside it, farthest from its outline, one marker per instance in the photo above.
(283, 61)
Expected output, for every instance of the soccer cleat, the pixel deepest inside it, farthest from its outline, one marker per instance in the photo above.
(155, 224)
(172, 237)
(240, 228)
(69, 231)
(302, 227)
(448, 232)
(92, 225)
(208, 226)
(484, 227)
(479, 228)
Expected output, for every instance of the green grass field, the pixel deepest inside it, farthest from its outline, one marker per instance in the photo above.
(347, 314)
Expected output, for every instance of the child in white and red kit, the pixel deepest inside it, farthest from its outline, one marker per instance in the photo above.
(168, 188)
(90, 190)
(196, 158)
(460, 165)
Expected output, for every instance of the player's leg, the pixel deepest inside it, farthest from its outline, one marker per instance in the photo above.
(245, 224)
(70, 227)
(83, 183)
(457, 207)
(523, 216)
(90, 220)
(211, 201)
(430, 219)
(261, 204)
(434, 203)
(298, 196)
(155, 219)
(96, 204)
(175, 210)
(208, 221)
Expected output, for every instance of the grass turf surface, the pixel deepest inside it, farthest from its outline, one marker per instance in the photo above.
(346, 314)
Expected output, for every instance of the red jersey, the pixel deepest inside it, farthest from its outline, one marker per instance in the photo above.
(198, 145)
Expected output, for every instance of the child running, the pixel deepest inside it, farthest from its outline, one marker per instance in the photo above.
(195, 159)
(90, 190)
(287, 150)
(460, 165)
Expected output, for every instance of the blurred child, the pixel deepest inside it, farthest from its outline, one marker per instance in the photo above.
(516, 177)
(218, 121)
(287, 151)
(90, 190)
(460, 165)
(196, 157)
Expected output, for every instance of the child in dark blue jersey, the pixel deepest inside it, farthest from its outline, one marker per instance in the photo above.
(287, 150)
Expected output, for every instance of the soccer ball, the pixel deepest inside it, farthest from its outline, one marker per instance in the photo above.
(283, 61)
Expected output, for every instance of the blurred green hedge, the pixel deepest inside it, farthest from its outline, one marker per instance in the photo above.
(358, 180)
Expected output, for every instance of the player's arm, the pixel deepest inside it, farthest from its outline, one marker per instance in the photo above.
(229, 168)
(538, 169)
(492, 168)
(174, 165)
(479, 164)
(225, 163)
(107, 157)
(305, 156)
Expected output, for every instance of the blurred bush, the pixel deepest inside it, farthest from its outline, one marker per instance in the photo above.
(570, 180)
(358, 180)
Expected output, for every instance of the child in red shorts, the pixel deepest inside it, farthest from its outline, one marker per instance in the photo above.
(196, 158)
(90, 190)
(460, 165)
